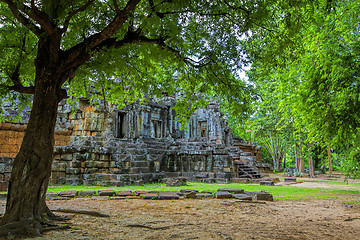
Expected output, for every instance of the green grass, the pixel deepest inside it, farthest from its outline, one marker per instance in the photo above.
(353, 202)
(279, 192)
(339, 183)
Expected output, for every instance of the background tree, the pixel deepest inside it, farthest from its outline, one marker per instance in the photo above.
(118, 49)
(308, 57)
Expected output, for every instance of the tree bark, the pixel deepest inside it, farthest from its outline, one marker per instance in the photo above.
(26, 207)
(302, 164)
(311, 165)
(330, 163)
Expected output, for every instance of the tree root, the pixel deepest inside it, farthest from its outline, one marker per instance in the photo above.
(159, 228)
(56, 228)
(25, 227)
(86, 212)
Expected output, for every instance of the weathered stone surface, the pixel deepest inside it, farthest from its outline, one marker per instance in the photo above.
(69, 194)
(184, 191)
(86, 193)
(140, 192)
(289, 179)
(262, 195)
(149, 196)
(231, 190)
(204, 195)
(240, 180)
(168, 195)
(137, 143)
(125, 193)
(106, 193)
(51, 195)
(242, 196)
(223, 195)
(3, 185)
(267, 183)
(175, 182)
(190, 195)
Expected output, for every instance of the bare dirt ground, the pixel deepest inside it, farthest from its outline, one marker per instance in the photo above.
(213, 218)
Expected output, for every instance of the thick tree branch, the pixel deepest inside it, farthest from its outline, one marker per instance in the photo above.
(19, 89)
(22, 19)
(93, 41)
(118, 11)
(72, 14)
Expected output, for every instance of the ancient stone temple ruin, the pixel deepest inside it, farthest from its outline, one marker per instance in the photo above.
(140, 143)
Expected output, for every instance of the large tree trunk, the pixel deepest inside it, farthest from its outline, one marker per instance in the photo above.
(32, 166)
(31, 170)
(329, 157)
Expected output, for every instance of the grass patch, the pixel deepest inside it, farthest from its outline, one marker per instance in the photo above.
(279, 192)
(353, 203)
(335, 182)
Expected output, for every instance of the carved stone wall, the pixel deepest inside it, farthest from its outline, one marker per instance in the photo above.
(106, 146)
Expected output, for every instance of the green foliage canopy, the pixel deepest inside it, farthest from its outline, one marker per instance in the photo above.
(142, 44)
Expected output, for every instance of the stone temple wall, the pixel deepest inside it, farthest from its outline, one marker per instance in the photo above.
(140, 143)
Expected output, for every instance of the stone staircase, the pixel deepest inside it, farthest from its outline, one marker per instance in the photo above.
(242, 170)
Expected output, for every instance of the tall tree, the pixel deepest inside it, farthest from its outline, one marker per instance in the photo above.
(121, 49)
(311, 57)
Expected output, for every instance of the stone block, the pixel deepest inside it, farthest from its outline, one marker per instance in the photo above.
(101, 164)
(69, 194)
(74, 182)
(90, 182)
(58, 167)
(140, 192)
(125, 193)
(240, 180)
(3, 186)
(117, 183)
(168, 195)
(221, 195)
(73, 171)
(264, 196)
(190, 194)
(87, 193)
(289, 179)
(149, 196)
(267, 183)
(104, 157)
(106, 193)
(201, 175)
(183, 191)
(75, 164)
(204, 195)
(242, 197)
(231, 190)
(50, 196)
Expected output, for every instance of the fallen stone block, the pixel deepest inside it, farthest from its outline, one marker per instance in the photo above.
(204, 195)
(106, 193)
(125, 193)
(240, 180)
(168, 195)
(190, 194)
(267, 183)
(263, 196)
(231, 190)
(183, 191)
(51, 195)
(140, 192)
(68, 194)
(289, 179)
(149, 196)
(87, 193)
(220, 195)
(242, 196)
